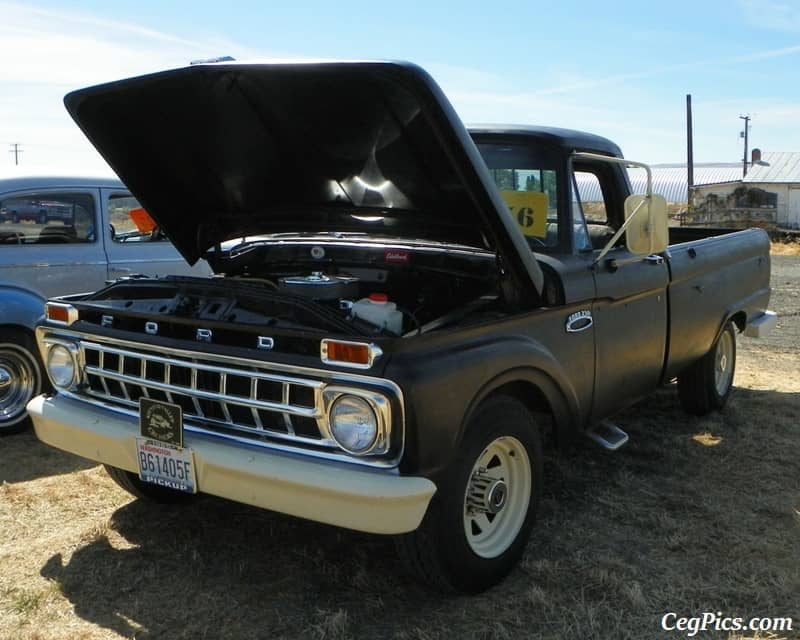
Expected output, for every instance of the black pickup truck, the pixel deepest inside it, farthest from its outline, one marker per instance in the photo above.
(403, 309)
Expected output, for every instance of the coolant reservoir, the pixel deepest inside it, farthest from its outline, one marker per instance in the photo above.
(379, 311)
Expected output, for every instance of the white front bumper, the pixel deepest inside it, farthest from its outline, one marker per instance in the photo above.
(366, 500)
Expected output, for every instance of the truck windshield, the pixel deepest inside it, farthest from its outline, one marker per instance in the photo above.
(528, 181)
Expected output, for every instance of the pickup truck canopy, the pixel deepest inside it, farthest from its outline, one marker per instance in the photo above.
(226, 150)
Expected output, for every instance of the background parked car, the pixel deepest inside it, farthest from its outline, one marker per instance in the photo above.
(58, 236)
(42, 211)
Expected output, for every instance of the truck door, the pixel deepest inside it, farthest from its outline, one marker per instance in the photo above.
(630, 315)
(130, 251)
(630, 308)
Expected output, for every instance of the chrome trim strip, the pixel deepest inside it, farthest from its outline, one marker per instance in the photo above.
(197, 366)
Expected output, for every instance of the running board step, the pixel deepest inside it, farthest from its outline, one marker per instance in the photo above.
(608, 435)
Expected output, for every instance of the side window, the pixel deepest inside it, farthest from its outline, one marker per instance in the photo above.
(590, 194)
(590, 203)
(47, 218)
(126, 215)
(579, 232)
(528, 181)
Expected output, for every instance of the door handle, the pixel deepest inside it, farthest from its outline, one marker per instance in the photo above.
(654, 259)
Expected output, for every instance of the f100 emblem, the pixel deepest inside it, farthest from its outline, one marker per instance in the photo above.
(579, 321)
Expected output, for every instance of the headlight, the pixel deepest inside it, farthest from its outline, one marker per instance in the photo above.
(354, 424)
(61, 365)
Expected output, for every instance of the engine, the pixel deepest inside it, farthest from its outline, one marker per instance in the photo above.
(352, 290)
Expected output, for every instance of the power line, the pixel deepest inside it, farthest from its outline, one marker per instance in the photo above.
(15, 149)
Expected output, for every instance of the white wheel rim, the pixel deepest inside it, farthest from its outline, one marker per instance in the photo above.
(497, 497)
(723, 363)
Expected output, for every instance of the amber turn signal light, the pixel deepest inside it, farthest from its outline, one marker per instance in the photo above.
(349, 354)
(60, 313)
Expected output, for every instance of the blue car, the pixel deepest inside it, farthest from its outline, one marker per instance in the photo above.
(62, 235)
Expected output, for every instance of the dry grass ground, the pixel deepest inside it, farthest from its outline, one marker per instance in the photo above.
(786, 248)
(694, 515)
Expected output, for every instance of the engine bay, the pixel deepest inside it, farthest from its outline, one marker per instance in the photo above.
(350, 287)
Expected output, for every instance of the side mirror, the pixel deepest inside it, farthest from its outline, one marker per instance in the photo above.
(646, 220)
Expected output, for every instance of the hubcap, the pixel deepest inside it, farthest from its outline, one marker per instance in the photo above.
(17, 382)
(497, 497)
(723, 369)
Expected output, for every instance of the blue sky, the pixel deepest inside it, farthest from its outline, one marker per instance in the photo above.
(620, 69)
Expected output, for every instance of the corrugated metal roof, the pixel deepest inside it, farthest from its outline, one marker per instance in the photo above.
(668, 181)
(783, 167)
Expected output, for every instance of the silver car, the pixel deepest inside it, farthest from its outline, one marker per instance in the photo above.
(59, 236)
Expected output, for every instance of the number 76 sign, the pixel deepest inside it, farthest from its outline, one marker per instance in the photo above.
(529, 209)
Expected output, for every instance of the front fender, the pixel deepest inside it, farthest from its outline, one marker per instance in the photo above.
(443, 385)
(559, 397)
(20, 306)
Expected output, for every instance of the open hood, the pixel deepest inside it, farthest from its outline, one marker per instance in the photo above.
(225, 150)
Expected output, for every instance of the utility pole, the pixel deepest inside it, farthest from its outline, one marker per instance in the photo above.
(689, 147)
(15, 149)
(744, 135)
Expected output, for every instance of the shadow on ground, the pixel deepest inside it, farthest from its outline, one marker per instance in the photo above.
(23, 458)
(695, 514)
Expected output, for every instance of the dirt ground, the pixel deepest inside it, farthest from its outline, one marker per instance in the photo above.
(693, 515)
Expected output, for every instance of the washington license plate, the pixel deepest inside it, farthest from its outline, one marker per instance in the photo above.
(166, 465)
(163, 460)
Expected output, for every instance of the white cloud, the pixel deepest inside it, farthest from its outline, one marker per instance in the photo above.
(55, 52)
(769, 14)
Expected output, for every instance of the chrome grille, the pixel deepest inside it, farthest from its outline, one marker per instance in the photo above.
(246, 400)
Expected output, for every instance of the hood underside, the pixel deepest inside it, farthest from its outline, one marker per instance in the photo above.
(221, 151)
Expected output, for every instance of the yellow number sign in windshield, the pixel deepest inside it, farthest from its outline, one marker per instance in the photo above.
(529, 209)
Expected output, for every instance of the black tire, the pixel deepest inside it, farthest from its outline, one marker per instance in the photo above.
(706, 385)
(131, 483)
(21, 378)
(442, 552)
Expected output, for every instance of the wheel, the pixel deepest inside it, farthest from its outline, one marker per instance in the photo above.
(706, 385)
(480, 518)
(146, 490)
(42, 217)
(21, 378)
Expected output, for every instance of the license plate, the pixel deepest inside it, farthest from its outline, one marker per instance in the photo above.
(163, 460)
(166, 465)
